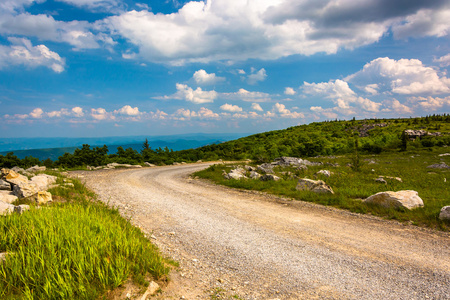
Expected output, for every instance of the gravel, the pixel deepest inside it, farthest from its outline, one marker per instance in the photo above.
(255, 246)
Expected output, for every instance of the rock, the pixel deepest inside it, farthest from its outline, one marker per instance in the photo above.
(6, 208)
(41, 197)
(176, 164)
(254, 175)
(136, 166)
(7, 197)
(20, 209)
(3, 256)
(444, 154)
(236, 174)
(18, 169)
(413, 134)
(265, 168)
(5, 186)
(43, 181)
(390, 177)
(316, 186)
(149, 164)
(15, 178)
(404, 199)
(441, 165)
(36, 169)
(68, 184)
(324, 172)
(153, 287)
(23, 190)
(381, 180)
(269, 177)
(445, 213)
(250, 168)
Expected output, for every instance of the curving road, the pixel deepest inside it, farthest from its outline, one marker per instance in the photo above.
(261, 247)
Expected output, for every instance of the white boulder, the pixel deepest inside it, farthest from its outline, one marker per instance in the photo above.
(43, 181)
(405, 199)
(445, 213)
(7, 197)
(6, 208)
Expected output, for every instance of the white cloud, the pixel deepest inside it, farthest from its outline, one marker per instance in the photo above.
(158, 115)
(245, 95)
(201, 77)
(326, 112)
(397, 107)
(197, 96)
(231, 108)
(128, 111)
(371, 89)
(254, 77)
(103, 5)
(430, 103)
(37, 113)
(368, 105)
(331, 89)
(286, 113)
(444, 60)
(22, 52)
(101, 114)
(59, 113)
(44, 27)
(241, 72)
(289, 91)
(236, 30)
(78, 111)
(404, 76)
(257, 107)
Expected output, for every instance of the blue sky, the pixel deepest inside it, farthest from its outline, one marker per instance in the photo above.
(89, 68)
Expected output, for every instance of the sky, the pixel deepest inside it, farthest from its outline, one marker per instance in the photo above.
(91, 68)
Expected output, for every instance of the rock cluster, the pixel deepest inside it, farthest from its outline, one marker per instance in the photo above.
(414, 134)
(113, 166)
(316, 186)
(14, 186)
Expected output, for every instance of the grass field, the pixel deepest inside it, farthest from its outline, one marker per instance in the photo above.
(352, 186)
(75, 248)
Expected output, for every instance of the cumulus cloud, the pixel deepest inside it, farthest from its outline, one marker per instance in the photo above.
(201, 77)
(128, 111)
(22, 52)
(328, 113)
(397, 107)
(231, 108)
(404, 76)
(256, 76)
(289, 91)
(248, 96)
(444, 60)
(101, 114)
(257, 107)
(286, 113)
(37, 113)
(430, 103)
(331, 89)
(59, 113)
(233, 30)
(77, 112)
(203, 113)
(197, 96)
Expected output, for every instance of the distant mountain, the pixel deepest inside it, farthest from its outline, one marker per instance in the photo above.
(52, 148)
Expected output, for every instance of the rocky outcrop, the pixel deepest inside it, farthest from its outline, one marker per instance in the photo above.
(400, 199)
(254, 175)
(286, 161)
(441, 165)
(445, 213)
(6, 208)
(266, 168)
(414, 134)
(237, 174)
(316, 186)
(36, 169)
(41, 197)
(149, 164)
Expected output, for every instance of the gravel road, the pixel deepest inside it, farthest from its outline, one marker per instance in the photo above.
(253, 246)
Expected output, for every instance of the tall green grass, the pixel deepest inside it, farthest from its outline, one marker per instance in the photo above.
(352, 186)
(73, 250)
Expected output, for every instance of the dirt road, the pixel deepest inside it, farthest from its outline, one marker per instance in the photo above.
(251, 246)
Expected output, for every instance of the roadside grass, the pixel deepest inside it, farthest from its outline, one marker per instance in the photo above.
(351, 187)
(75, 248)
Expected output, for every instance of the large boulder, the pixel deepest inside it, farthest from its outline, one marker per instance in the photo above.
(265, 168)
(445, 213)
(404, 199)
(5, 186)
(15, 178)
(24, 190)
(286, 161)
(236, 174)
(325, 173)
(7, 197)
(43, 181)
(254, 175)
(6, 208)
(149, 164)
(316, 186)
